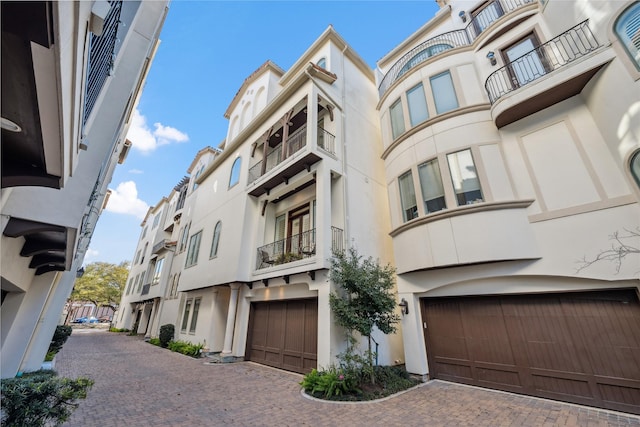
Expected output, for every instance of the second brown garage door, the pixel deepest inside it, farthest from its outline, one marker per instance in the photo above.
(579, 347)
(284, 334)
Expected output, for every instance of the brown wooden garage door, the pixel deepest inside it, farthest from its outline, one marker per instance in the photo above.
(284, 334)
(579, 347)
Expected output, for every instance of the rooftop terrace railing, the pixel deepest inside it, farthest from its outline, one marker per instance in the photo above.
(482, 19)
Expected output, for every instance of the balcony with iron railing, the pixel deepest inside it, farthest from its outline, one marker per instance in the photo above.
(566, 62)
(101, 57)
(287, 160)
(294, 248)
(483, 19)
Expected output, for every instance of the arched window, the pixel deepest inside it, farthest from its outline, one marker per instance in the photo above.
(235, 172)
(635, 167)
(322, 63)
(628, 31)
(216, 239)
(423, 55)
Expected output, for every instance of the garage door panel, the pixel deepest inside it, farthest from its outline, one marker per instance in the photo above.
(582, 348)
(283, 334)
(502, 376)
(487, 338)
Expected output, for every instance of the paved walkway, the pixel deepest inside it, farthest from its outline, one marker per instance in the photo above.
(138, 384)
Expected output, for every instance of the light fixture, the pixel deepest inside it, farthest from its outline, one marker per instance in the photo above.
(492, 57)
(404, 305)
(80, 272)
(463, 16)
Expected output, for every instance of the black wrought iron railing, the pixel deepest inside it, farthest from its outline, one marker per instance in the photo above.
(296, 141)
(569, 46)
(101, 57)
(294, 248)
(482, 19)
(491, 12)
(421, 53)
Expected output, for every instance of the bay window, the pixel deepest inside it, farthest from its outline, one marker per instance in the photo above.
(397, 119)
(408, 197)
(431, 185)
(444, 94)
(417, 105)
(464, 177)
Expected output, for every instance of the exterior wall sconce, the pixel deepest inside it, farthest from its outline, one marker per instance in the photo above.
(404, 305)
(491, 56)
(80, 272)
(463, 16)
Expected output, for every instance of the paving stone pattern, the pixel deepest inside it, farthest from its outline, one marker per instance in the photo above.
(138, 384)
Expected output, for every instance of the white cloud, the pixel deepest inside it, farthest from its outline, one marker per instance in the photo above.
(146, 140)
(136, 171)
(124, 200)
(91, 253)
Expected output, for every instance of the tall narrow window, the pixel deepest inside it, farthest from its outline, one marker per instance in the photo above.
(464, 177)
(185, 316)
(417, 105)
(195, 185)
(129, 285)
(408, 197)
(194, 248)
(628, 31)
(158, 272)
(397, 119)
(138, 283)
(194, 316)
(144, 252)
(444, 94)
(184, 237)
(216, 239)
(235, 172)
(431, 185)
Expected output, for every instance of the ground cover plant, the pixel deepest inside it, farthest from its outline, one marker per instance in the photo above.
(185, 347)
(41, 398)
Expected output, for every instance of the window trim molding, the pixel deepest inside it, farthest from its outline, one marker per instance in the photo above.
(461, 210)
(186, 258)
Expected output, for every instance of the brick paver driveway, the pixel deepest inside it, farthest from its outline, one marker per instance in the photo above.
(138, 384)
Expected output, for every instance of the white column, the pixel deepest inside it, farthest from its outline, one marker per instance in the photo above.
(231, 319)
(212, 320)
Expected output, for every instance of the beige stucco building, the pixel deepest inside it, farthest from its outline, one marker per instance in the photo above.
(489, 158)
(298, 175)
(509, 131)
(71, 76)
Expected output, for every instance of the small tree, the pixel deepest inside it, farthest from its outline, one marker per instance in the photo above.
(102, 284)
(364, 299)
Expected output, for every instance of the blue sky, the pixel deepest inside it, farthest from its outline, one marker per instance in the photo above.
(207, 50)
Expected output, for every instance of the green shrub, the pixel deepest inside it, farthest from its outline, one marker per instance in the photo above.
(329, 383)
(166, 334)
(353, 385)
(118, 330)
(60, 336)
(40, 398)
(155, 341)
(185, 347)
